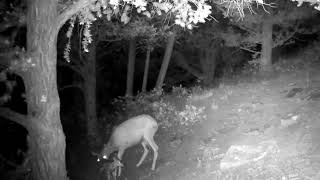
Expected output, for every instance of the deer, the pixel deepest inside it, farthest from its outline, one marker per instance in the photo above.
(137, 130)
(110, 168)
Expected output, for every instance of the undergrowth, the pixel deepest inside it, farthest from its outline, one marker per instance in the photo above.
(174, 111)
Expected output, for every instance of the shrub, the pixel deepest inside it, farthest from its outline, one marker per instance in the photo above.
(168, 115)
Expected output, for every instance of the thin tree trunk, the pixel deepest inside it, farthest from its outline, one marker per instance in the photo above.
(46, 140)
(146, 70)
(208, 64)
(266, 55)
(90, 95)
(166, 60)
(131, 62)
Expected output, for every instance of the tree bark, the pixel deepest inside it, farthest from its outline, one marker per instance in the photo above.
(146, 70)
(46, 140)
(130, 71)
(208, 64)
(166, 60)
(266, 55)
(89, 93)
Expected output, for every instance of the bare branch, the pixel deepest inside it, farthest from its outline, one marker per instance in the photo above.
(20, 169)
(100, 68)
(181, 63)
(6, 161)
(71, 10)
(111, 40)
(249, 50)
(8, 24)
(14, 116)
(250, 30)
(73, 67)
(282, 41)
(76, 85)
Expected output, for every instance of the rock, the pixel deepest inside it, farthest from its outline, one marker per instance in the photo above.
(238, 155)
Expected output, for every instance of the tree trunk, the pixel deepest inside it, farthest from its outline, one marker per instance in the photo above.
(166, 60)
(208, 64)
(131, 62)
(89, 87)
(266, 55)
(146, 70)
(46, 140)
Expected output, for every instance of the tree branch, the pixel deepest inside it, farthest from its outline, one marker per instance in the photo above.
(6, 161)
(8, 24)
(282, 41)
(20, 169)
(249, 50)
(179, 59)
(14, 116)
(73, 67)
(68, 12)
(76, 85)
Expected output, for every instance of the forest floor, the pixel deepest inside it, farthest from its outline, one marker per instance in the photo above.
(255, 128)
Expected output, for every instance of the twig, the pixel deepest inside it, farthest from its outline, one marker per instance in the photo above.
(14, 116)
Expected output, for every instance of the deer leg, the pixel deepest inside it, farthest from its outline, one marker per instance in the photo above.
(154, 147)
(115, 174)
(145, 153)
(120, 153)
(109, 175)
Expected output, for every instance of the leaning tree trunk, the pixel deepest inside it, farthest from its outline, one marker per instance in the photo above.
(266, 55)
(166, 60)
(46, 140)
(130, 71)
(89, 87)
(146, 70)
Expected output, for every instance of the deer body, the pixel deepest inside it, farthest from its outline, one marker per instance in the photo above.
(139, 129)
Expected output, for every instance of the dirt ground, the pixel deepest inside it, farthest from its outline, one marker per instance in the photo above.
(246, 112)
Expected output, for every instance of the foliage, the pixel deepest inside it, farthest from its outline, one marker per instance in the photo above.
(306, 58)
(191, 115)
(285, 17)
(252, 67)
(180, 91)
(186, 13)
(289, 65)
(6, 87)
(131, 106)
(314, 3)
(169, 115)
(311, 53)
(236, 8)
